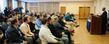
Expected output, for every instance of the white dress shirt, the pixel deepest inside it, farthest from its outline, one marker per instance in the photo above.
(46, 36)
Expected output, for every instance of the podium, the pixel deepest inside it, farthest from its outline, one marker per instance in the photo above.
(96, 25)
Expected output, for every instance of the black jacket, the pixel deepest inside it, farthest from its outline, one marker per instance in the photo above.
(54, 31)
(14, 35)
(104, 17)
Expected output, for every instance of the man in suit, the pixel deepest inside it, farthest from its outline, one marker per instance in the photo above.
(104, 20)
(56, 32)
(13, 34)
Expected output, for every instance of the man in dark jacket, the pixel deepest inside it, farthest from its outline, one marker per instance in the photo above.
(53, 30)
(13, 34)
(57, 29)
(104, 20)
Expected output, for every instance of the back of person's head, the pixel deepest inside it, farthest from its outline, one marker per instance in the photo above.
(54, 18)
(49, 19)
(31, 14)
(68, 13)
(44, 21)
(45, 16)
(72, 15)
(35, 15)
(38, 16)
(26, 10)
(25, 18)
(52, 14)
(60, 17)
(6, 8)
(20, 18)
(14, 21)
(103, 9)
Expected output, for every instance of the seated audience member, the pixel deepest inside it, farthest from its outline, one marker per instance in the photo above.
(71, 22)
(32, 17)
(56, 32)
(74, 20)
(33, 30)
(27, 12)
(71, 18)
(3, 25)
(13, 35)
(20, 20)
(61, 21)
(38, 22)
(25, 29)
(32, 25)
(67, 17)
(61, 28)
(45, 34)
(56, 24)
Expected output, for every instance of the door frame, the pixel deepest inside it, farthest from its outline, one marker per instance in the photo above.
(61, 10)
(84, 10)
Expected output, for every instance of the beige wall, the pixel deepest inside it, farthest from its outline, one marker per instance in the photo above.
(99, 4)
(44, 7)
(73, 7)
(53, 0)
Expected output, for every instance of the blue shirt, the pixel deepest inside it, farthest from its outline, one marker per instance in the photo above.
(38, 24)
(67, 17)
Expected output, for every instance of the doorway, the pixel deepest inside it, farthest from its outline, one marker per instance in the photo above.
(84, 12)
(63, 10)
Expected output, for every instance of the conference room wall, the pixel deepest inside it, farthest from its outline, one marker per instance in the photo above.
(73, 7)
(44, 7)
(99, 4)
